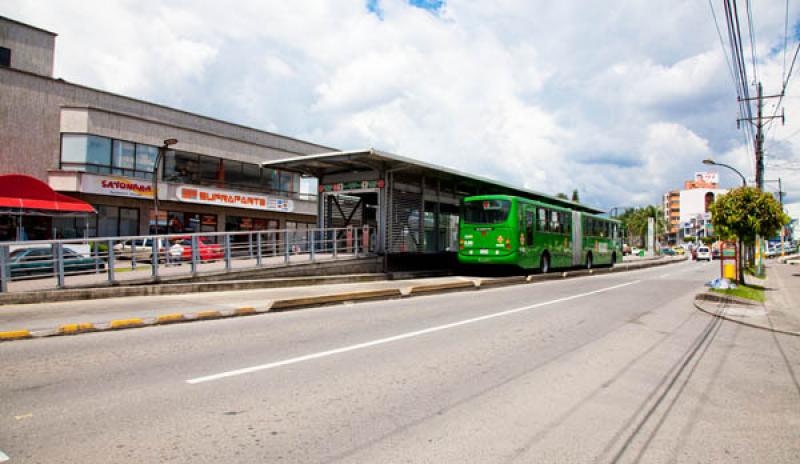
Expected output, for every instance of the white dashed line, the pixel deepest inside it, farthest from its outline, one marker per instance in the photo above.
(345, 349)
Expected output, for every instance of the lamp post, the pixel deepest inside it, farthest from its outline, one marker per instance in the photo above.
(162, 150)
(711, 162)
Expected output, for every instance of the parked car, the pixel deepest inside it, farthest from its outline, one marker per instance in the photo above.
(703, 253)
(141, 248)
(40, 260)
(667, 251)
(206, 249)
(679, 250)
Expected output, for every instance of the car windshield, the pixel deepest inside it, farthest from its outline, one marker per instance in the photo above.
(702, 250)
(485, 211)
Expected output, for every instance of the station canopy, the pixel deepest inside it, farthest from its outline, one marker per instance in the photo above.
(326, 165)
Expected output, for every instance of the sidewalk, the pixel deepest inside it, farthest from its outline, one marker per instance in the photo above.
(71, 317)
(781, 311)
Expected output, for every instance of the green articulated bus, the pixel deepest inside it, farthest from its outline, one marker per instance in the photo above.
(504, 229)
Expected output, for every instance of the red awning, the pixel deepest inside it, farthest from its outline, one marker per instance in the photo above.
(26, 192)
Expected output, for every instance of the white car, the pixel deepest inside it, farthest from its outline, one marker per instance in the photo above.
(704, 253)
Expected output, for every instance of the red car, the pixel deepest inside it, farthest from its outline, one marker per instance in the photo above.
(207, 250)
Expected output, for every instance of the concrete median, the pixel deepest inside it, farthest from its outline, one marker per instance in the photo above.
(320, 300)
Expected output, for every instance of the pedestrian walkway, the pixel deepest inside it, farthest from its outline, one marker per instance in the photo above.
(781, 310)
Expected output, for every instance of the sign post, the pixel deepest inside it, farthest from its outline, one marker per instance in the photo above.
(728, 261)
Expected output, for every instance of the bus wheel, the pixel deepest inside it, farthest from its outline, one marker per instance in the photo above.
(544, 264)
(589, 261)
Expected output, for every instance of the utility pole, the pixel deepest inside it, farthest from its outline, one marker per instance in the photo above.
(759, 122)
(759, 142)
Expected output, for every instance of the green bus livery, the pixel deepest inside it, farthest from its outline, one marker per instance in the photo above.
(504, 229)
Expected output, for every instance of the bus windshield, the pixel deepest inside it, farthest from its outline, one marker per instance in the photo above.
(485, 211)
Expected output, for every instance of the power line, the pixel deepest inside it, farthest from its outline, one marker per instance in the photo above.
(752, 32)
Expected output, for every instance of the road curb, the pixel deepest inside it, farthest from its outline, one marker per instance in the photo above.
(289, 304)
(702, 297)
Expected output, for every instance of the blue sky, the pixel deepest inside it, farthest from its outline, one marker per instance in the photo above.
(621, 100)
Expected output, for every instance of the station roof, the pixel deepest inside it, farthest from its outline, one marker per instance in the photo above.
(326, 164)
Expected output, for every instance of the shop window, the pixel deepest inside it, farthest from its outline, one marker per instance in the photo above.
(146, 157)
(123, 158)
(251, 175)
(128, 221)
(181, 167)
(270, 179)
(5, 57)
(107, 220)
(209, 169)
(75, 227)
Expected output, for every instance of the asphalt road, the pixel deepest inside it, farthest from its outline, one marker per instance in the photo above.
(612, 368)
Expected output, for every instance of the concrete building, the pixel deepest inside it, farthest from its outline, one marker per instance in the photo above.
(687, 210)
(102, 148)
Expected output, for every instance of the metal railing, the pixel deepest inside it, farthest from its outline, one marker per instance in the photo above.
(47, 264)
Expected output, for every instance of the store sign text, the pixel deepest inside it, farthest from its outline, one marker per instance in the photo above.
(348, 186)
(234, 199)
(118, 186)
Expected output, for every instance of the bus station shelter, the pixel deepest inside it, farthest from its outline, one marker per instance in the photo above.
(412, 206)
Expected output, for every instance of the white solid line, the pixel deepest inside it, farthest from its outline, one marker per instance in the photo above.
(345, 349)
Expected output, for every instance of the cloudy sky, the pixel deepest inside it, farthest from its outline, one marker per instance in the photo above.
(621, 100)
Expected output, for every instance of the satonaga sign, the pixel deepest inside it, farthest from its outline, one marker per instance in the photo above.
(116, 186)
(217, 197)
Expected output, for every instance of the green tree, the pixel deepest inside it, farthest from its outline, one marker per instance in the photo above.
(575, 197)
(562, 196)
(747, 212)
(634, 221)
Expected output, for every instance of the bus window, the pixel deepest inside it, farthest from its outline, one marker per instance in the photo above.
(529, 227)
(555, 226)
(542, 220)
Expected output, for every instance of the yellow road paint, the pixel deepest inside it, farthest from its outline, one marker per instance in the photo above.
(75, 328)
(174, 317)
(122, 323)
(245, 310)
(208, 314)
(15, 335)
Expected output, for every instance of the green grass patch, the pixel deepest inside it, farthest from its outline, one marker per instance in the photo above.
(750, 292)
(753, 271)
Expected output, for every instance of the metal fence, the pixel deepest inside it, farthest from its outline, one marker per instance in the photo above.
(45, 264)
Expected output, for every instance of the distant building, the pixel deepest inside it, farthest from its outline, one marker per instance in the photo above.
(686, 211)
(101, 148)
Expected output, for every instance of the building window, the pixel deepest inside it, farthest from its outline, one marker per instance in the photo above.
(101, 155)
(5, 57)
(113, 221)
(709, 200)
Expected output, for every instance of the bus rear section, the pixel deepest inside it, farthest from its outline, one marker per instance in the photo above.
(488, 231)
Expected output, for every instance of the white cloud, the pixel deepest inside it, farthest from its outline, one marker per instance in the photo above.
(621, 100)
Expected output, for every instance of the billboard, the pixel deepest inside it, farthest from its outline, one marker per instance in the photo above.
(707, 177)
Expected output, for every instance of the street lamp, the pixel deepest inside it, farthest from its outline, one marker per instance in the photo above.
(162, 150)
(711, 162)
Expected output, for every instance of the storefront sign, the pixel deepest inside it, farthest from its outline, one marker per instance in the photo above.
(117, 186)
(211, 196)
(350, 186)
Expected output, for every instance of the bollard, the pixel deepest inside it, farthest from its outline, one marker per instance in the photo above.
(154, 256)
(227, 242)
(110, 264)
(258, 252)
(286, 246)
(311, 245)
(335, 239)
(195, 253)
(5, 268)
(58, 263)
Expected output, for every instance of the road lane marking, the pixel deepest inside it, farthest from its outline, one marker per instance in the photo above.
(3, 457)
(416, 333)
